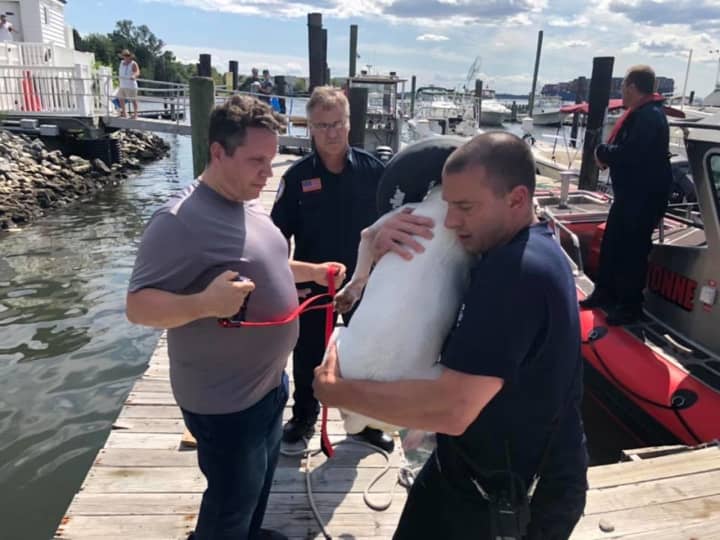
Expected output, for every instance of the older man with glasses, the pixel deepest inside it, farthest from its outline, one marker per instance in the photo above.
(325, 200)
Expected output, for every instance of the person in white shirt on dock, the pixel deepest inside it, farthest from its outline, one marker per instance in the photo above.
(6, 29)
(128, 72)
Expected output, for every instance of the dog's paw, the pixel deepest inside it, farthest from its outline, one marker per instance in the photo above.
(345, 300)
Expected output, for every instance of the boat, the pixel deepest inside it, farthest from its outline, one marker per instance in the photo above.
(383, 117)
(660, 377)
(492, 112)
(546, 110)
(437, 106)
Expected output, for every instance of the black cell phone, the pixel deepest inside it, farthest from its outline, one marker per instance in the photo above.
(240, 316)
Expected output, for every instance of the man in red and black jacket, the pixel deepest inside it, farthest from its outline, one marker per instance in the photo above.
(639, 160)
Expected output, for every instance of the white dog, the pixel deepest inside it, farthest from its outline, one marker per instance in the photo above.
(407, 308)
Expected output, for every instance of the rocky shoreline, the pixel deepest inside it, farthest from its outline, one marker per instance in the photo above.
(34, 180)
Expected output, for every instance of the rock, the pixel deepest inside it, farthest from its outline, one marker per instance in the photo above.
(100, 166)
(33, 179)
(81, 168)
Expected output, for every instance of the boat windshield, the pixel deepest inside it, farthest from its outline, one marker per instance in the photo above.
(381, 97)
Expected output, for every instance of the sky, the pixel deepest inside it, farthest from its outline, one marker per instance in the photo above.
(436, 40)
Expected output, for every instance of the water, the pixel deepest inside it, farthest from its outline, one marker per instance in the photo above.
(68, 356)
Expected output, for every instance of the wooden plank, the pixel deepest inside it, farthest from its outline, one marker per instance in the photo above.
(169, 441)
(129, 504)
(345, 456)
(604, 476)
(189, 480)
(152, 425)
(149, 412)
(651, 518)
(706, 530)
(375, 525)
(645, 494)
(176, 425)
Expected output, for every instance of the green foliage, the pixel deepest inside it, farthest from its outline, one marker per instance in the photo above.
(300, 86)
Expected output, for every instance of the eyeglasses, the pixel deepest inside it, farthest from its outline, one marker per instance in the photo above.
(324, 126)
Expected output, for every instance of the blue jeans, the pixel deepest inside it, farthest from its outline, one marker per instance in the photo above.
(238, 454)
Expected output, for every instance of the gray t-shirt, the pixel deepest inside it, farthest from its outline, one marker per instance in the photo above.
(189, 241)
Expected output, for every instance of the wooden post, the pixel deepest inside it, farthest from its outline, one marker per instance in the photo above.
(326, 70)
(412, 96)
(513, 112)
(599, 97)
(531, 101)
(580, 91)
(202, 100)
(478, 97)
(358, 115)
(315, 57)
(353, 49)
(233, 69)
(204, 67)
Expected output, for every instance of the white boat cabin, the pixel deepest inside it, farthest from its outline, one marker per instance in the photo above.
(38, 21)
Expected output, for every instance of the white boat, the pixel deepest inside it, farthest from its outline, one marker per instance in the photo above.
(546, 110)
(437, 106)
(492, 112)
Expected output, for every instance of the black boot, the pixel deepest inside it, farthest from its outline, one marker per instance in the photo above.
(297, 429)
(624, 314)
(598, 299)
(376, 437)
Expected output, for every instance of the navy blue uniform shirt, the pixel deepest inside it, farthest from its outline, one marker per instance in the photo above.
(639, 159)
(519, 322)
(326, 212)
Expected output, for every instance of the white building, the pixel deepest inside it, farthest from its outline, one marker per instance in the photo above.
(38, 21)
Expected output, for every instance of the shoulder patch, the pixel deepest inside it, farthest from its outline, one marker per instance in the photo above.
(281, 190)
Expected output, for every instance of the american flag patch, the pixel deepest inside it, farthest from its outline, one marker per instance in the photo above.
(313, 184)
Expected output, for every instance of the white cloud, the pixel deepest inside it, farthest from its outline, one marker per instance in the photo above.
(432, 37)
(569, 44)
(580, 21)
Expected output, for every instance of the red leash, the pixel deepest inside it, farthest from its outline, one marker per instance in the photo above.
(325, 444)
(294, 314)
(306, 306)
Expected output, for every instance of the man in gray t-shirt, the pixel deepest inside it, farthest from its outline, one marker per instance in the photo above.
(229, 382)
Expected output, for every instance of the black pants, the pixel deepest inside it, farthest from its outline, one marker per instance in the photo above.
(626, 244)
(436, 510)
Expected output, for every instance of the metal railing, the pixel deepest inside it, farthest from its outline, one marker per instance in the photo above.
(41, 54)
(83, 92)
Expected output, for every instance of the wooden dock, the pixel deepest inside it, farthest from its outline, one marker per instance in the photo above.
(145, 485)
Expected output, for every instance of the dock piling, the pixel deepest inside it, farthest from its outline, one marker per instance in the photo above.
(599, 96)
(531, 101)
(202, 100)
(478, 98)
(315, 50)
(353, 50)
(358, 115)
(205, 66)
(413, 82)
(233, 69)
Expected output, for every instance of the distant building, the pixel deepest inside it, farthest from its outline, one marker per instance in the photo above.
(38, 21)
(566, 90)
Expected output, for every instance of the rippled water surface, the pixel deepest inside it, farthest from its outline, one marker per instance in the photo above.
(68, 356)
